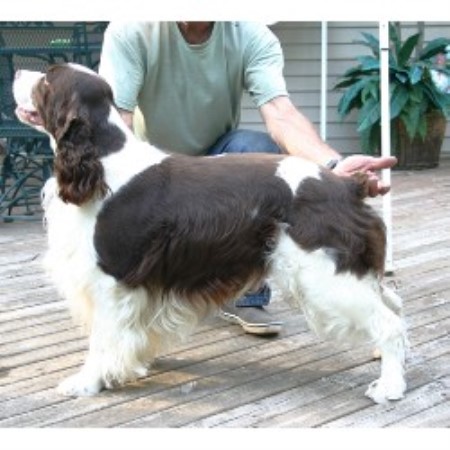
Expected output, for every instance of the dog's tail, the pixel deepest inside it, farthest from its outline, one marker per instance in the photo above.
(360, 184)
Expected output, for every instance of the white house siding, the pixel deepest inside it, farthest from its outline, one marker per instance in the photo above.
(301, 42)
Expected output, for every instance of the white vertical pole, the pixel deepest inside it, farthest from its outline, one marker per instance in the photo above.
(386, 138)
(323, 80)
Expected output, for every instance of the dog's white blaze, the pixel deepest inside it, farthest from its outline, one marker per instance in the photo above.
(293, 170)
(22, 87)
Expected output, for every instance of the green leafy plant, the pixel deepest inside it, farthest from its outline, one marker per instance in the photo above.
(412, 92)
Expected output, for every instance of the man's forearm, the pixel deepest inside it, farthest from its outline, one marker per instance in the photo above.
(295, 133)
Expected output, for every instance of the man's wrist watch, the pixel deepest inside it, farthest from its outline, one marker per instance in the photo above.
(332, 163)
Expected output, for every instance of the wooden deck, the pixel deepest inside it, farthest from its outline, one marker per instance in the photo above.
(222, 377)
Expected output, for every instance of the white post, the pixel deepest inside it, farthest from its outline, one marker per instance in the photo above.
(386, 138)
(323, 80)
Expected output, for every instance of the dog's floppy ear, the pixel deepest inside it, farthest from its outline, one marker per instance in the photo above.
(64, 122)
(77, 166)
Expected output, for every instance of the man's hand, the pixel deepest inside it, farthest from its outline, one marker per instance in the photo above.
(368, 165)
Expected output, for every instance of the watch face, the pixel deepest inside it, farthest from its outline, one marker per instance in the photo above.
(332, 163)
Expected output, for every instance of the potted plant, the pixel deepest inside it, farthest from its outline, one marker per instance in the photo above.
(418, 108)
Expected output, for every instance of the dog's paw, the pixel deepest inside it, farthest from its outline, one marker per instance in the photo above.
(381, 391)
(376, 354)
(80, 385)
(142, 371)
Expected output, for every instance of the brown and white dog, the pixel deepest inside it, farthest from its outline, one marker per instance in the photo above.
(144, 244)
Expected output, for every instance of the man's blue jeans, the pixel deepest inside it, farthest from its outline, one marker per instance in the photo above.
(247, 141)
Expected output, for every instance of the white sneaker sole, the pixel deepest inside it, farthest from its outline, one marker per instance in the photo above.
(253, 328)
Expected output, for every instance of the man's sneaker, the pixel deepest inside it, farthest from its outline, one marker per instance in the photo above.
(253, 319)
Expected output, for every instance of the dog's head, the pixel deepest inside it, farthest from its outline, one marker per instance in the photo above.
(71, 104)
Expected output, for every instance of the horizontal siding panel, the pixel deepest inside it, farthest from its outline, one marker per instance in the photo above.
(301, 51)
(312, 52)
(336, 67)
(309, 83)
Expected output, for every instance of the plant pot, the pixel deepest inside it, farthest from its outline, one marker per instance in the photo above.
(418, 153)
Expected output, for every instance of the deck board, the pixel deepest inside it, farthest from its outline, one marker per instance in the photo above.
(222, 377)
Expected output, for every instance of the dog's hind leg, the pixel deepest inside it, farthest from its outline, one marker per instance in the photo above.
(345, 307)
(353, 311)
(394, 303)
(391, 342)
(390, 338)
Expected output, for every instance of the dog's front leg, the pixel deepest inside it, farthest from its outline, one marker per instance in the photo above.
(88, 381)
(121, 344)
